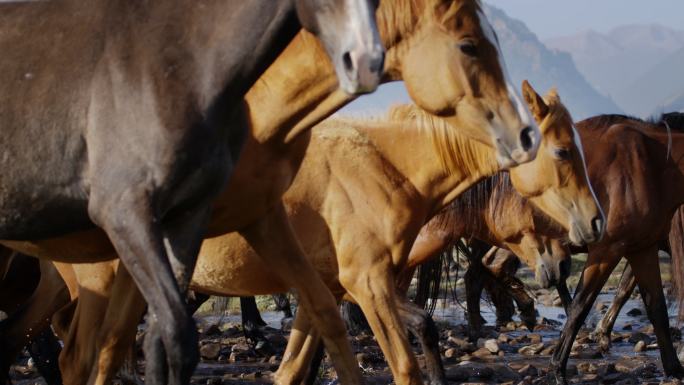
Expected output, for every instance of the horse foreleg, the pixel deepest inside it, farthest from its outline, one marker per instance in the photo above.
(301, 347)
(596, 271)
(647, 273)
(423, 327)
(273, 238)
(524, 302)
(605, 326)
(474, 285)
(251, 321)
(372, 286)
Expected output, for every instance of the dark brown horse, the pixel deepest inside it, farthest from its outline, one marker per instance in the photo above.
(636, 169)
(493, 212)
(127, 116)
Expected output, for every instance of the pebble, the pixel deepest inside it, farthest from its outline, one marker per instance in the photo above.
(528, 370)
(531, 350)
(640, 346)
(635, 312)
(639, 336)
(492, 346)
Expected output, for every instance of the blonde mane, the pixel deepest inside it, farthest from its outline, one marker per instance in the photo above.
(397, 18)
(454, 150)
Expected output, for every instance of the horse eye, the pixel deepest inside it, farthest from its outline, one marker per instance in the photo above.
(563, 154)
(469, 49)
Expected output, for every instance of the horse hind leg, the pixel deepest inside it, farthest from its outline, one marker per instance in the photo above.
(273, 238)
(605, 326)
(116, 336)
(651, 289)
(423, 327)
(597, 269)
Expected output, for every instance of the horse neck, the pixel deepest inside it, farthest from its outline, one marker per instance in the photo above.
(413, 152)
(300, 89)
(220, 61)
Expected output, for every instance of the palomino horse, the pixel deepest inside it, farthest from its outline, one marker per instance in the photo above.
(444, 50)
(493, 212)
(640, 181)
(334, 204)
(122, 115)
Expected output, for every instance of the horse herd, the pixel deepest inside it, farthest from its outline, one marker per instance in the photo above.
(186, 140)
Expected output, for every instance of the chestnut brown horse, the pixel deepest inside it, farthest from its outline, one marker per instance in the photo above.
(124, 116)
(299, 90)
(635, 167)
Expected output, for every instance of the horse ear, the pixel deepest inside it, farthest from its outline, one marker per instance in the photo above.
(537, 106)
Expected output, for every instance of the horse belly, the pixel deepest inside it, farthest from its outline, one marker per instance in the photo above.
(227, 265)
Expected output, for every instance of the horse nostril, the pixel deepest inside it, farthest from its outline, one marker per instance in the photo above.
(348, 63)
(527, 138)
(597, 225)
(377, 64)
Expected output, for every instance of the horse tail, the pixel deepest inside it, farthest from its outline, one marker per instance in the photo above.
(676, 238)
(429, 282)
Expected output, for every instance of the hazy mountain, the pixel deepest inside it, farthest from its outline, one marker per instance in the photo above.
(526, 58)
(657, 88)
(634, 64)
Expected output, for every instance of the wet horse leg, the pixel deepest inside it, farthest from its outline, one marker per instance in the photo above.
(600, 263)
(373, 287)
(44, 350)
(524, 302)
(273, 238)
(624, 291)
(251, 321)
(501, 299)
(303, 344)
(474, 284)
(647, 273)
(33, 316)
(423, 327)
(282, 302)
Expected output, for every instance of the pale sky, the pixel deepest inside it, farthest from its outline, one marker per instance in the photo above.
(551, 18)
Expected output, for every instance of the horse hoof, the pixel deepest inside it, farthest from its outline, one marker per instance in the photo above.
(555, 378)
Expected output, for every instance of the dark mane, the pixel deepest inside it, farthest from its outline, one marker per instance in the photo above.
(468, 206)
(675, 120)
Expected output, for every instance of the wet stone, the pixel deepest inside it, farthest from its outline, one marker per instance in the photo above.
(482, 353)
(639, 336)
(492, 346)
(640, 346)
(528, 370)
(635, 312)
(531, 350)
(450, 353)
